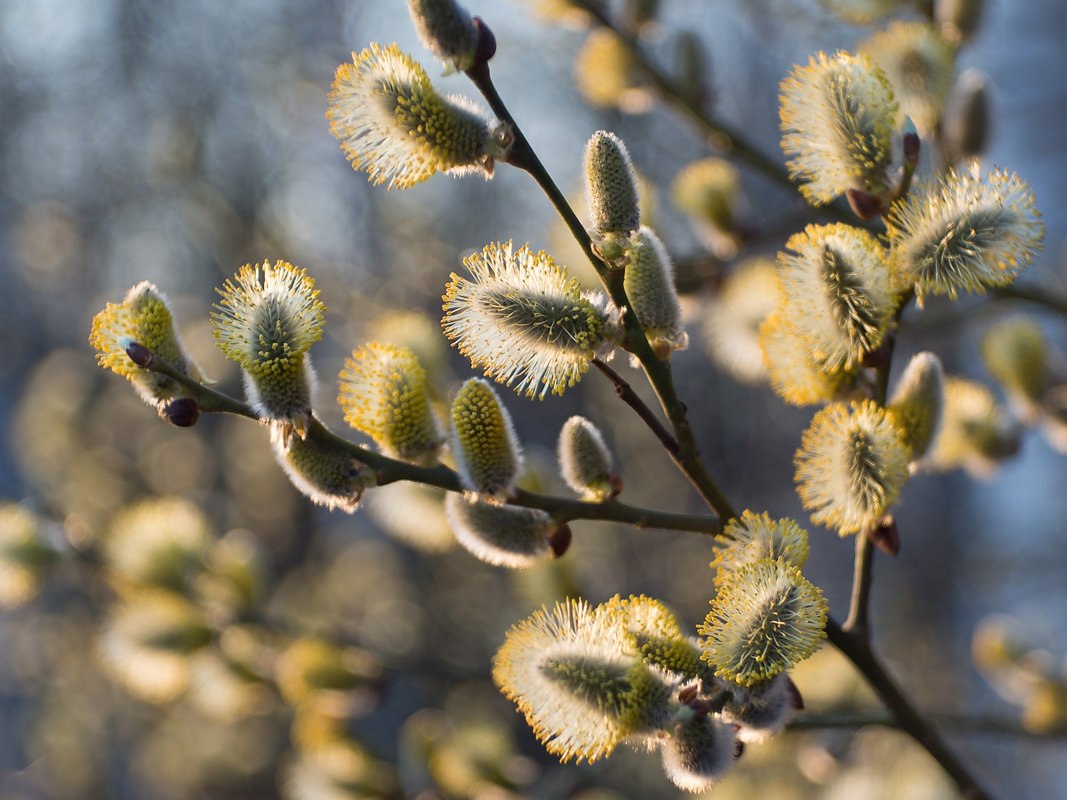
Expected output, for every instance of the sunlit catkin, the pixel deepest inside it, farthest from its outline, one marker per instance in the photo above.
(837, 118)
(733, 318)
(585, 460)
(524, 321)
(486, 449)
(384, 393)
(837, 287)
(851, 465)
(502, 535)
(917, 403)
(651, 292)
(762, 710)
(575, 675)
(394, 126)
(753, 537)
(267, 320)
(322, 470)
(766, 618)
(794, 373)
(143, 317)
(963, 233)
(655, 632)
(976, 433)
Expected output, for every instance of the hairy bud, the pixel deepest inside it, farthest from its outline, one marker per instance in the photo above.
(484, 443)
(917, 403)
(447, 31)
(653, 297)
(698, 753)
(324, 472)
(585, 461)
(1016, 354)
(503, 535)
(967, 117)
(762, 710)
(754, 537)
(611, 190)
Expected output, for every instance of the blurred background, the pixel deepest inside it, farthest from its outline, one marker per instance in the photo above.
(174, 142)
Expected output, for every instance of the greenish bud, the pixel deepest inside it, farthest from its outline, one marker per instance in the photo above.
(1016, 355)
(447, 31)
(918, 403)
(484, 443)
(322, 470)
(699, 752)
(507, 536)
(611, 190)
(585, 460)
(655, 632)
(653, 296)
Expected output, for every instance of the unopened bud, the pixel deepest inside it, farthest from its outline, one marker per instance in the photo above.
(446, 30)
(140, 355)
(486, 48)
(652, 294)
(183, 412)
(886, 536)
(699, 753)
(967, 117)
(918, 402)
(585, 461)
(560, 540)
(484, 443)
(1016, 354)
(611, 189)
(863, 204)
(912, 142)
(322, 470)
(503, 535)
(762, 710)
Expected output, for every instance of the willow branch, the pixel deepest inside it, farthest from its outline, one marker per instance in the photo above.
(1037, 296)
(390, 470)
(626, 392)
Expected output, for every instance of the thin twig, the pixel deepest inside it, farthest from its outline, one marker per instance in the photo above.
(625, 391)
(390, 470)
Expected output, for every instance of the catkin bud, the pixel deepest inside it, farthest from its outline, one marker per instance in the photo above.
(321, 470)
(484, 443)
(918, 402)
(765, 618)
(159, 542)
(503, 535)
(384, 393)
(967, 117)
(851, 465)
(650, 288)
(708, 191)
(573, 672)
(143, 318)
(447, 31)
(585, 461)
(698, 753)
(762, 710)
(656, 634)
(1016, 355)
(756, 536)
(611, 190)
(976, 433)
(267, 320)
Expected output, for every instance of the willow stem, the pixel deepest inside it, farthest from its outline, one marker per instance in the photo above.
(390, 470)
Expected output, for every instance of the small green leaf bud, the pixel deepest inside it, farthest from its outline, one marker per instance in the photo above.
(585, 460)
(503, 535)
(967, 117)
(765, 618)
(699, 752)
(484, 443)
(1016, 354)
(447, 31)
(918, 402)
(651, 291)
(611, 191)
(322, 471)
(129, 334)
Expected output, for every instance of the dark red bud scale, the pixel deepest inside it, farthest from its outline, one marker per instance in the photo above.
(560, 540)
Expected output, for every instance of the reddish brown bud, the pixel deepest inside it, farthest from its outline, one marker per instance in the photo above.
(912, 146)
(486, 48)
(687, 695)
(876, 358)
(183, 412)
(796, 699)
(739, 748)
(559, 540)
(886, 536)
(140, 355)
(864, 205)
